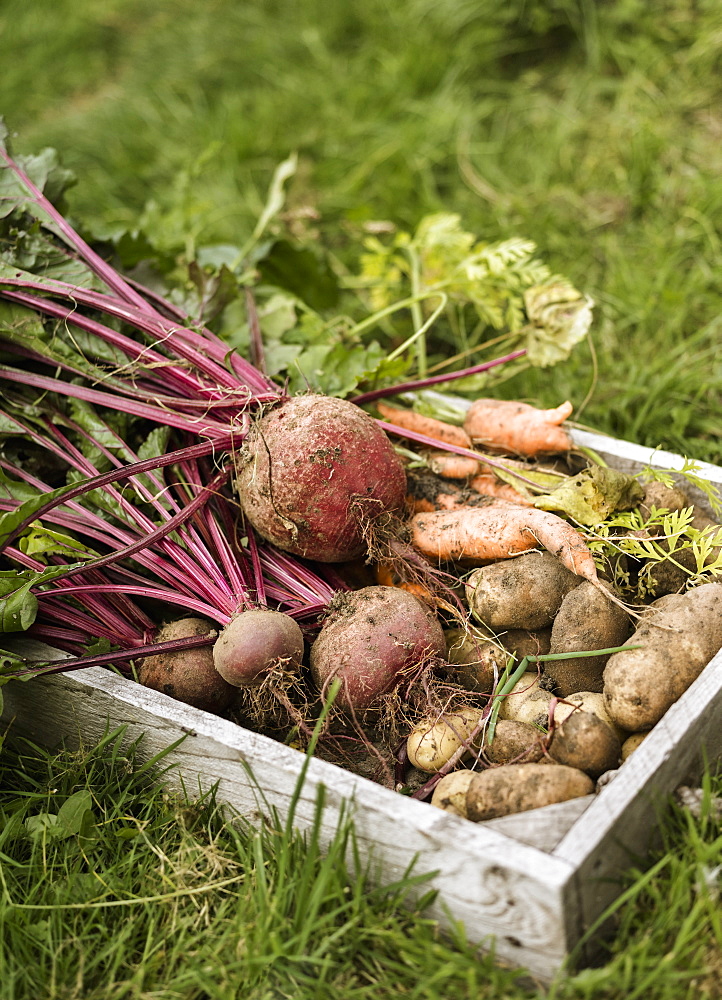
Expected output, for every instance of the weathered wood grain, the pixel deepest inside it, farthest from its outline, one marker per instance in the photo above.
(496, 886)
(541, 828)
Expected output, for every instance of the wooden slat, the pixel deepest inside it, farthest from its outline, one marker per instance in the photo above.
(496, 886)
(542, 828)
(619, 825)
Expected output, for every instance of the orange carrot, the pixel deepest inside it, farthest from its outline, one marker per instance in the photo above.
(451, 466)
(427, 492)
(429, 426)
(498, 531)
(420, 505)
(490, 486)
(517, 427)
(385, 577)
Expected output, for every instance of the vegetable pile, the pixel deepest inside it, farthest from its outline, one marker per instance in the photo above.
(497, 616)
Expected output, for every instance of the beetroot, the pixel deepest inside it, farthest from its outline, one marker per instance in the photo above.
(255, 641)
(370, 639)
(314, 473)
(187, 674)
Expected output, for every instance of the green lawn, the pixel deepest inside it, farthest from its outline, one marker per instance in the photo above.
(133, 894)
(593, 129)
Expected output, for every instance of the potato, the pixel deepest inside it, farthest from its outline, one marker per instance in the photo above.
(515, 788)
(584, 741)
(189, 675)
(521, 642)
(450, 792)
(588, 701)
(667, 577)
(656, 494)
(678, 638)
(527, 702)
(513, 742)
(631, 743)
(475, 660)
(524, 592)
(432, 742)
(586, 620)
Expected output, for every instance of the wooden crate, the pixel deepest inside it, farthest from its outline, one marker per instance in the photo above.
(533, 882)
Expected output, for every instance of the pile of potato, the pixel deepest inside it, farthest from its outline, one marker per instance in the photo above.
(566, 722)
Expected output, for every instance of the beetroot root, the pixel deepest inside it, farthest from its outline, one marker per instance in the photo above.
(253, 643)
(314, 472)
(371, 638)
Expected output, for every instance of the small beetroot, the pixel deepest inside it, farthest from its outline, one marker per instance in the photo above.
(254, 642)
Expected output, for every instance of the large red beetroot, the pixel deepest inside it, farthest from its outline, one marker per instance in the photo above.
(370, 640)
(314, 473)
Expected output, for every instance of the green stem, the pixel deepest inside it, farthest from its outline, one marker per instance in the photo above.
(395, 307)
(416, 314)
(507, 681)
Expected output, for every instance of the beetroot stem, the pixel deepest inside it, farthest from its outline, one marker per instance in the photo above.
(160, 532)
(158, 593)
(115, 475)
(423, 383)
(119, 655)
(114, 401)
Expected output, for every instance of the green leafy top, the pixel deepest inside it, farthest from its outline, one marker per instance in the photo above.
(503, 284)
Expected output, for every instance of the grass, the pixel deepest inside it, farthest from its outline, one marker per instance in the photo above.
(161, 897)
(592, 128)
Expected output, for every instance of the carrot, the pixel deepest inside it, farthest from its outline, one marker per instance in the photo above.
(518, 427)
(385, 577)
(490, 486)
(498, 531)
(429, 426)
(427, 492)
(451, 466)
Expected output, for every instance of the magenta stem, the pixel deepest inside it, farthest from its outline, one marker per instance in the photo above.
(120, 655)
(169, 596)
(164, 417)
(115, 475)
(394, 390)
(154, 536)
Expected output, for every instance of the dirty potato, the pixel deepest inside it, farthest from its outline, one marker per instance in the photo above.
(524, 592)
(515, 788)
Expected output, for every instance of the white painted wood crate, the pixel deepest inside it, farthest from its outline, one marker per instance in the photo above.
(534, 882)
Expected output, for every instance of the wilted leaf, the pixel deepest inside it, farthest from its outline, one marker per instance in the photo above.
(42, 824)
(593, 495)
(559, 318)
